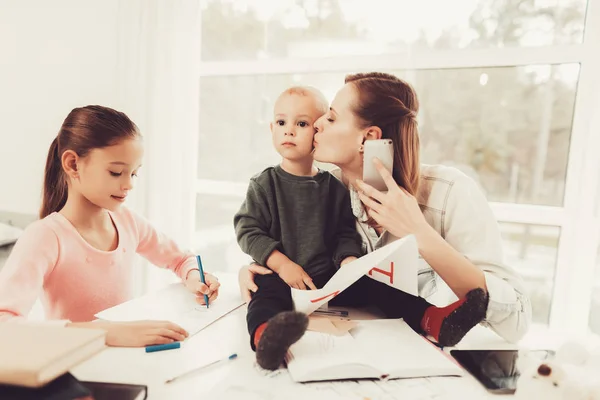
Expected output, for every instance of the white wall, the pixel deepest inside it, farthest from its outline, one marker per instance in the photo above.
(54, 56)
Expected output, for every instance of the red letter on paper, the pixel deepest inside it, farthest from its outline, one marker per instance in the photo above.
(324, 297)
(390, 274)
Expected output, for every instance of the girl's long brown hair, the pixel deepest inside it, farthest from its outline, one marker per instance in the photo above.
(391, 104)
(84, 129)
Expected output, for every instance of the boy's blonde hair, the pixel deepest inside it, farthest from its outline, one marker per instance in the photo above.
(320, 100)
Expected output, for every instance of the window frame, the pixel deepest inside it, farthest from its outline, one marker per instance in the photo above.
(576, 218)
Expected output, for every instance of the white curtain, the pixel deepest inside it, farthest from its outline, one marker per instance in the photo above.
(158, 87)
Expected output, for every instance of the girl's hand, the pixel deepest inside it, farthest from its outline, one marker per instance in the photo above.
(246, 279)
(295, 276)
(138, 333)
(194, 285)
(396, 211)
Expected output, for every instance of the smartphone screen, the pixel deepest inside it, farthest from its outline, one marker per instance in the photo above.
(496, 369)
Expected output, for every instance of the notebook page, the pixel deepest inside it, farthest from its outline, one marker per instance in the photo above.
(321, 356)
(173, 303)
(400, 351)
(247, 381)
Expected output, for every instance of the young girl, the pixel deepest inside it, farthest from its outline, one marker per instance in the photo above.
(78, 256)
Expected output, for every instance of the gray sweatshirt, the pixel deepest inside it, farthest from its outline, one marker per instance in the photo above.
(309, 219)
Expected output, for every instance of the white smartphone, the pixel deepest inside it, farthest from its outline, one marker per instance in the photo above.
(383, 149)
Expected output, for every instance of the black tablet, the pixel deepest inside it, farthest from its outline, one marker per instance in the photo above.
(116, 391)
(496, 369)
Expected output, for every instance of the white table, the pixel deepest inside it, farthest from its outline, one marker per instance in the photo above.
(229, 335)
(8, 234)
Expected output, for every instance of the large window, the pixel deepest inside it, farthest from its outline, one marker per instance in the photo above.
(507, 127)
(506, 92)
(258, 29)
(531, 249)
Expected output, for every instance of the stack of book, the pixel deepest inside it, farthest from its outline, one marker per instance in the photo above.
(35, 360)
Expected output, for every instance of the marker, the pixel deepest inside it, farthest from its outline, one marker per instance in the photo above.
(161, 347)
(338, 313)
(199, 261)
(231, 357)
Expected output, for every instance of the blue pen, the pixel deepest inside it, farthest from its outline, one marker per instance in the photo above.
(202, 277)
(161, 347)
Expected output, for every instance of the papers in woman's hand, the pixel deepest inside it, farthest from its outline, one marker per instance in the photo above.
(395, 264)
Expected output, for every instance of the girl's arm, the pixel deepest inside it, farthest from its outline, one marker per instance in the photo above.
(22, 278)
(470, 255)
(161, 250)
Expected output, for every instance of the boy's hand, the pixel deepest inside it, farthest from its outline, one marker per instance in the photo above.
(295, 276)
(347, 260)
(194, 285)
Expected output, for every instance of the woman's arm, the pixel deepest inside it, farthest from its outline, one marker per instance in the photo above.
(460, 274)
(469, 255)
(246, 279)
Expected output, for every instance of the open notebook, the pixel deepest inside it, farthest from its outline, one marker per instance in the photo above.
(377, 349)
(174, 303)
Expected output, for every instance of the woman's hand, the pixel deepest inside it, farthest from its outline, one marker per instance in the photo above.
(194, 285)
(136, 334)
(396, 211)
(246, 279)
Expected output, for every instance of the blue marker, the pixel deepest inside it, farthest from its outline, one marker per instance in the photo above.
(202, 277)
(161, 347)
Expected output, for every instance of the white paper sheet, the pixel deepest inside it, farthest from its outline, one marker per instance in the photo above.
(391, 343)
(173, 303)
(247, 381)
(395, 264)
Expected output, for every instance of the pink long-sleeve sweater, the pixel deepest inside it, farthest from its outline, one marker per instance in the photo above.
(51, 260)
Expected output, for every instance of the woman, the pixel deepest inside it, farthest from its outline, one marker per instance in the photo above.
(457, 234)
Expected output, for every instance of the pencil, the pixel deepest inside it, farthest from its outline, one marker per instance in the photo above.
(231, 357)
(199, 261)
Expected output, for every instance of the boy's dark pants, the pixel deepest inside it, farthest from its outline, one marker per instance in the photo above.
(274, 296)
